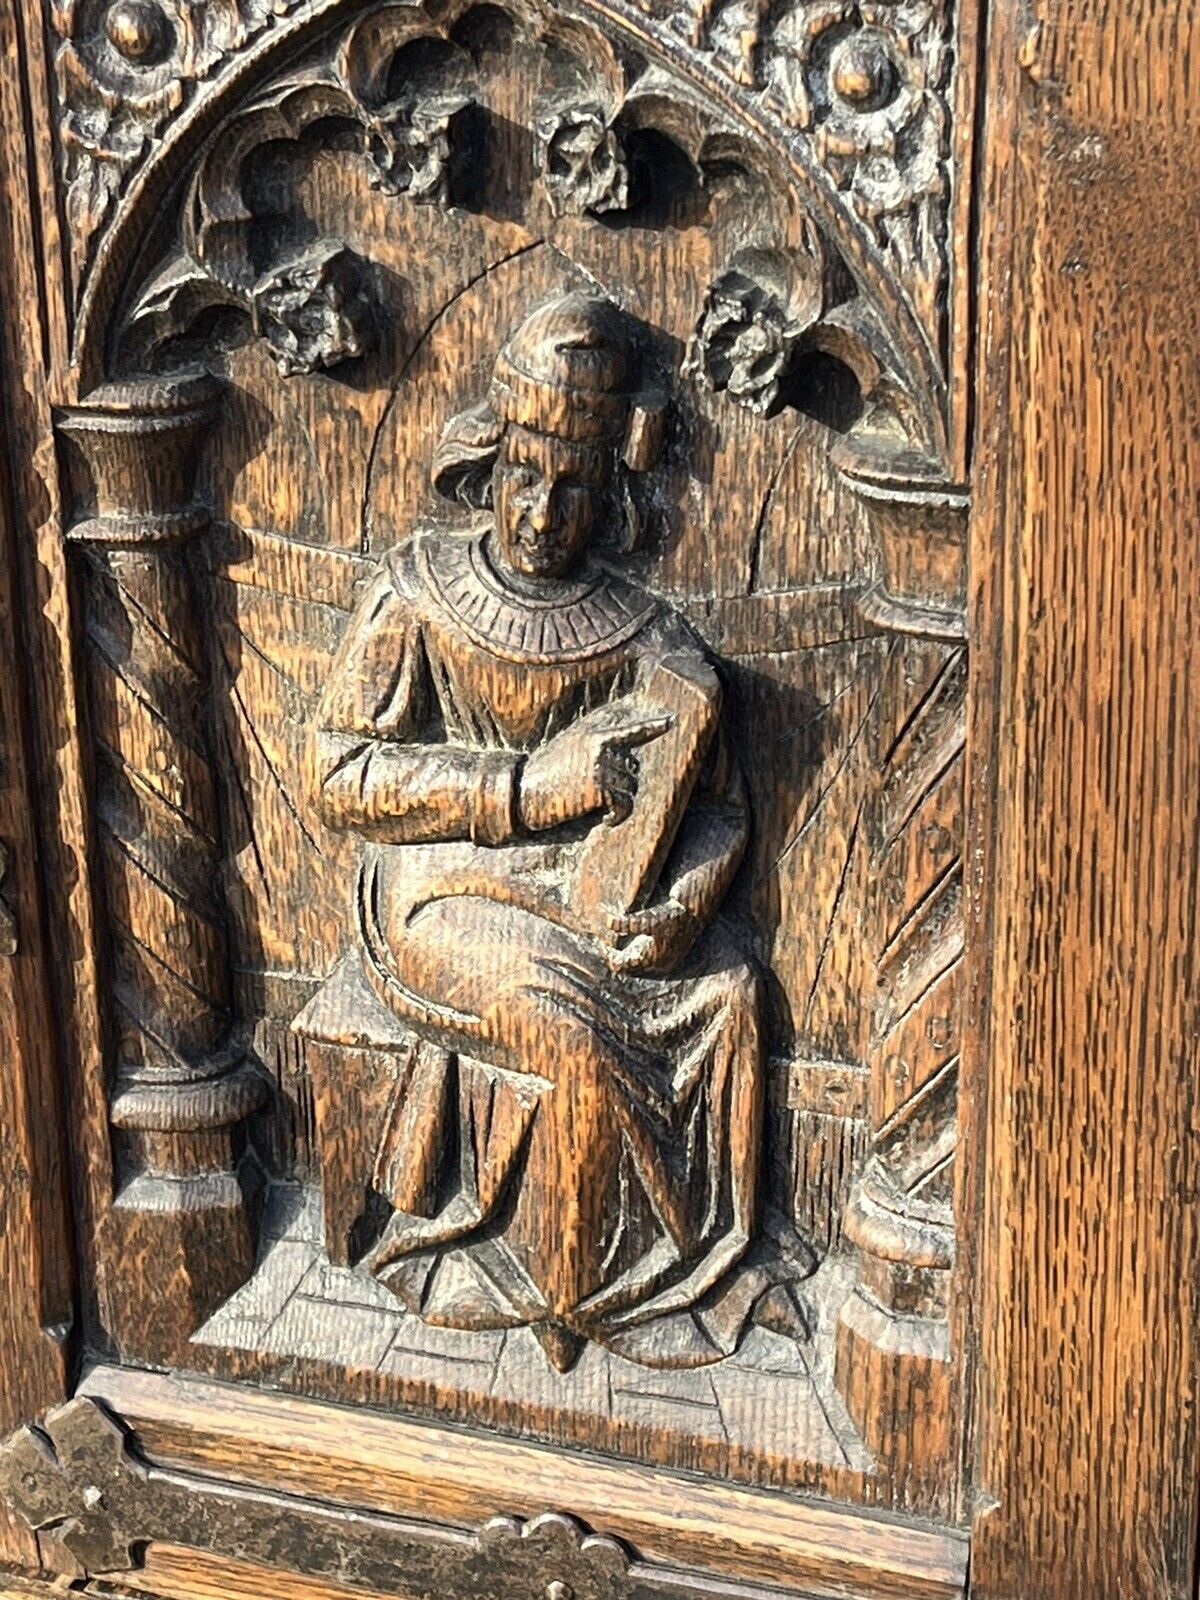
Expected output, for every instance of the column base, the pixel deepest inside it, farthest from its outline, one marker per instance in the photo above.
(893, 1366)
(181, 1247)
(894, 1374)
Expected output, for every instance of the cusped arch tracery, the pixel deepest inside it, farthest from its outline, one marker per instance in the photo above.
(639, 73)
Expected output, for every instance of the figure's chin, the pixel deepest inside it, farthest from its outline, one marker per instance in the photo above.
(550, 568)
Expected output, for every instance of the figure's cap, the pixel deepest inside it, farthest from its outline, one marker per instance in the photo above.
(565, 371)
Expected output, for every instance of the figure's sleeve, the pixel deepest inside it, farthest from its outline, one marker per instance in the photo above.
(379, 761)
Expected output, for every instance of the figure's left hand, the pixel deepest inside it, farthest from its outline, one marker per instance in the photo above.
(656, 936)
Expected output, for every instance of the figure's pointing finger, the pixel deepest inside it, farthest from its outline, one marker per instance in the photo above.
(640, 732)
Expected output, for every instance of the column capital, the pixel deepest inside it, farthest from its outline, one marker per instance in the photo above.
(138, 440)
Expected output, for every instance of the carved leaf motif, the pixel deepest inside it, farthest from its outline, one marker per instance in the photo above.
(312, 311)
(866, 81)
(124, 68)
(411, 138)
(411, 145)
(581, 160)
(312, 307)
(552, 1555)
(217, 219)
(753, 319)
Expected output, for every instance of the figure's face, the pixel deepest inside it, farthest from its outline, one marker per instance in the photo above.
(548, 495)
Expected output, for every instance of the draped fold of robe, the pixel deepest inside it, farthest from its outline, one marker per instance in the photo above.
(569, 1147)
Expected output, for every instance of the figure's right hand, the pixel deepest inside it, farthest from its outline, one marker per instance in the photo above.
(590, 766)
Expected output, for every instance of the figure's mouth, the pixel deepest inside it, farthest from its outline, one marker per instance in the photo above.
(538, 548)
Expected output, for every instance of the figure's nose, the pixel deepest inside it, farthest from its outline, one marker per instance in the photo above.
(538, 514)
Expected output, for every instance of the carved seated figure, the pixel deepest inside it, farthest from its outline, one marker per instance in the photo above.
(531, 746)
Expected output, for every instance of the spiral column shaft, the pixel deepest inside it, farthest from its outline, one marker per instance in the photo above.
(894, 1364)
(179, 1084)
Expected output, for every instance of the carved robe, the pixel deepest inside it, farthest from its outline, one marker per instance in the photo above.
(570, 1146)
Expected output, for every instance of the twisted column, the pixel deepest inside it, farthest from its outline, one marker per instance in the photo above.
(894, 1361)
(180, 1083)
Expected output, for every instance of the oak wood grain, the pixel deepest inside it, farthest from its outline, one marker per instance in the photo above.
(1085, 856)
(363, 1459)
(36, 1268)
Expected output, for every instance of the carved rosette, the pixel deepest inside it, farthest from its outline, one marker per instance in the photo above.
(180, 1082)
(864, 85)
(125, 68)
(413, 143)
(311, 309)
(866, 82)
(582, 160)
(758, 318)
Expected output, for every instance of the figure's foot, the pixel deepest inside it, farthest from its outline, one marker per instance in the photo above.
(785, 1311)
(563, 1348)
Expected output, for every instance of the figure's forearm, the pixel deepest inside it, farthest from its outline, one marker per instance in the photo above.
(414, 794)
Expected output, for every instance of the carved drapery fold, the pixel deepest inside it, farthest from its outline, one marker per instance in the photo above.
(859, 91)
(180, 1081)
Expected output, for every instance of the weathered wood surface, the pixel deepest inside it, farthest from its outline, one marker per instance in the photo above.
(394, 1465)
(36, 1287)
(385, 200)
(349, 283)
(1085, 855)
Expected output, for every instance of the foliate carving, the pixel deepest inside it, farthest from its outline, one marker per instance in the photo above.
(313, 306)
(532, 748)
(412, 146)
(745, 341)
(869, 81)
(868, 84)
(312, 309)
(564, 1559)
(751, 327)
(581, 160)
(124, 69)
(865, 84)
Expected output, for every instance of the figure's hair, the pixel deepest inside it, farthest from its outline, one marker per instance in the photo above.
(467, 454)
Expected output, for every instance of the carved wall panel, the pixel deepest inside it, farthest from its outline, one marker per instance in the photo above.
(522, 591)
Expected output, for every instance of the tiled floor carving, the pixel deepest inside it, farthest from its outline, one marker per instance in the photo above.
(772, 1399)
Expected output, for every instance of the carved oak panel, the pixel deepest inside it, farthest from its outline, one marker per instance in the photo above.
(515, 499)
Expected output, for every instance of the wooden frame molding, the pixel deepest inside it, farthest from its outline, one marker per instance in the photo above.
(1074, 1304)
(191, 1437)
(1081, 1084)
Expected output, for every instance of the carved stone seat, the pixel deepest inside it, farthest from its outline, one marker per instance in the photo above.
(346, 1011)
(359, 1053)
